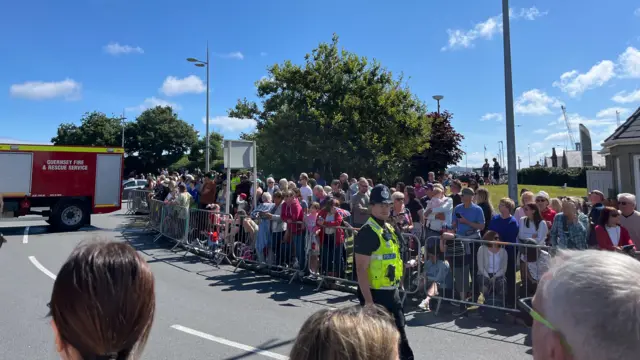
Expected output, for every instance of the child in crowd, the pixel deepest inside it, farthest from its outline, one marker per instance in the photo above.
(313, 251)
(437, 201)
(435, 274)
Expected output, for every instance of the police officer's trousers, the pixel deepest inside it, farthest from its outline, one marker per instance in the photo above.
(390, 300)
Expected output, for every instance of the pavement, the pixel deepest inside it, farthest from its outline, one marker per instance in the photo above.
(206, 312)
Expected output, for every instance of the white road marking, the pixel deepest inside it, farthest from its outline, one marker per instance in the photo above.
(229, 343)
(37, 264)
(25, 237)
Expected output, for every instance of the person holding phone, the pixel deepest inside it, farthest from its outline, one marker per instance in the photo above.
(610, 234)
(468, 222)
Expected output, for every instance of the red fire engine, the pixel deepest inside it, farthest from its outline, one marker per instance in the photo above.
(63, 184)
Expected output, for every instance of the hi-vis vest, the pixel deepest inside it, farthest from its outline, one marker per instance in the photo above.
(234, 182)
(388, 254)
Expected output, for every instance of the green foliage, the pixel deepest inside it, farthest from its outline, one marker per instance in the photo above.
(574, 177)
(444, 147)
(96, 129)
(157, 137)
(183, 162)
(196, 152)
(336, 112)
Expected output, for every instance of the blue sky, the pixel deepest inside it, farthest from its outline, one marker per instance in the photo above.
(62, 59)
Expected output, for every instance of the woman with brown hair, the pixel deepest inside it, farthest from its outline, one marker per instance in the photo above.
(610, 234)
(103, 303)
(349, 333)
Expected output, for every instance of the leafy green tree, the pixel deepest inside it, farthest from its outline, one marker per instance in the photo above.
(336, 112)
(158, 137)
(197, 151)
(95, 129)
(444, 146)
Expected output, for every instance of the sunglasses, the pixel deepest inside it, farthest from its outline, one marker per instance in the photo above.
(540, 200)
(526, 304)
(400, 199)
(615, 215)
(623, 203)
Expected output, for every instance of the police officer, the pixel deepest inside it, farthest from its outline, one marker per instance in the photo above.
(379, 263)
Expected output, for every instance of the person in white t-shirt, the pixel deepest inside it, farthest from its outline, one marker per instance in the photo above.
(532, 226)
(305, 189)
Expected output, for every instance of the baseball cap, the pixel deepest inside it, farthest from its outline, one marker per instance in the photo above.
(598, 192)
(380, 195)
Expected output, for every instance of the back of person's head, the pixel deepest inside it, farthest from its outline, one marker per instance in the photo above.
(103, 303)
(350, 333)
(592, 299)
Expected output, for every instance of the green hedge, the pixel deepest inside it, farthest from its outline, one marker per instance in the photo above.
(575, 177)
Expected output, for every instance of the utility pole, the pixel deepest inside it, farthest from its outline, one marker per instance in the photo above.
(618, 117)
(508, 99)
(122, 122)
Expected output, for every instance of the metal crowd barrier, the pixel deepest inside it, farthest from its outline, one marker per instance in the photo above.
(477, 276)
(138, 202)
(324, 255)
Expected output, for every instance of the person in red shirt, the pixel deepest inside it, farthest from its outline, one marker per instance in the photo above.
(293, 215)
(609, 234)
(547, 213)
(331, 238)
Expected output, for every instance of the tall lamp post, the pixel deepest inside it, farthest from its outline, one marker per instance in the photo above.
(205, 64)
(508, 99)
(437, 98)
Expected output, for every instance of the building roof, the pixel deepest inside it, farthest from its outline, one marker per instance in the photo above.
(574, 159)
(630, 129)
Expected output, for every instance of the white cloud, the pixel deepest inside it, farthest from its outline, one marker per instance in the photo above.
(540, 131)
(629, 63)
(236, 55)
(557, 137)
(624, 97)
(39, 90)
(535, 102)
(173, 86)
(20, 141)
(610, 113)
(574, 83)
(459, 39)
(492, 116)
(115, 48)
(231, 124)
(152, 102)
(576, 119)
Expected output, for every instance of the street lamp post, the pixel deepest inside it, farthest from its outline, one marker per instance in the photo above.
(122, 122)
(437, 98)
(529, 152)
(205, 64)
(508, 99)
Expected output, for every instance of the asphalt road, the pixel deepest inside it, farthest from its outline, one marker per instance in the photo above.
(204, 312)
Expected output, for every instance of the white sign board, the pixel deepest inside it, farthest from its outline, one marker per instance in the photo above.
(239, 154)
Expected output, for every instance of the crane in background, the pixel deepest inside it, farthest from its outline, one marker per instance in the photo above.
(569, 131)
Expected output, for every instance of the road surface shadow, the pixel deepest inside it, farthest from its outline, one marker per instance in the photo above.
(279, 290)
(472, 324)
(268, 345)
(43, 230)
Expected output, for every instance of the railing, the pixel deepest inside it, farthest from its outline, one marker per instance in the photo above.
(472, 272)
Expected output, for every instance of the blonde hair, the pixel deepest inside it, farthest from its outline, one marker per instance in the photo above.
(508, 203)
(283, 184)
(484, 197)
(349, 333)
(527, 194)
(397, 195)
(555, 204)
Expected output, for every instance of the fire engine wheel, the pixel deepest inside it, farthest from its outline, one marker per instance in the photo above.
(69, 216)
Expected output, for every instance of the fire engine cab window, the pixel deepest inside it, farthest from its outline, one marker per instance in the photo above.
(130, 183)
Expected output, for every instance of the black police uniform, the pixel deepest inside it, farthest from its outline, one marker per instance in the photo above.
(367, 242)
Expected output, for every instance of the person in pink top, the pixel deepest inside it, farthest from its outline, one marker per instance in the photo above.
(293, 215)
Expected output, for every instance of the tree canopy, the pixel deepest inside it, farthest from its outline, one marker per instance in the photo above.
(156, 139)
(95, 129)
(336, 112)
(444, 146)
